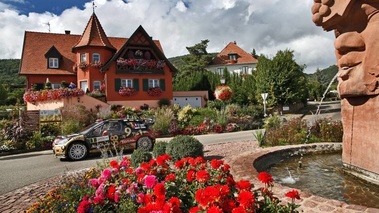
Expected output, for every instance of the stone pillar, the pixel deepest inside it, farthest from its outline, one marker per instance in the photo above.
(360, 118)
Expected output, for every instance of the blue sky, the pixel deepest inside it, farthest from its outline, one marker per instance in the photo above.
(40, 6)
(264, 25)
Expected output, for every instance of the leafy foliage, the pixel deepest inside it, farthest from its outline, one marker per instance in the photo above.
(184, 146)
(159, 148)
(282, 78)
(139, 156)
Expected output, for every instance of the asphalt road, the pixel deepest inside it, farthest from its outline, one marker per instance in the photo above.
(24, 169)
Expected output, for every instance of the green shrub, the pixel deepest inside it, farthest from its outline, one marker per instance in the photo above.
(163, 118)
(326, 130)
(202, 114)
(164, 102)
(35, 141)
(159, 148)
(50, 130)
(70, 126)
(260, 137)
(139, 156)
(293, 131)
(184, 146)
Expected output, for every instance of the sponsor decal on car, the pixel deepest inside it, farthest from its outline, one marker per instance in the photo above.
(102, 138)
(125, 141)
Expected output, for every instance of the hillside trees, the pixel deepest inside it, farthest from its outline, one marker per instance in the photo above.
(282, 78)
(192, 74)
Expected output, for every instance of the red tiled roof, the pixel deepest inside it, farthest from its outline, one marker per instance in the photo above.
(93, 35)
(232, 48)
(36, 44)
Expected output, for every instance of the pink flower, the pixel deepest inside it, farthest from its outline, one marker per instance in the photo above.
(140, 197)
(150, 181)
(106, 174)
(94, 182)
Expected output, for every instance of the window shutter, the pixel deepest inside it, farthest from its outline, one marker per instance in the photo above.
(117, 84)
(162, 84)
(145, 84)
(136, 84)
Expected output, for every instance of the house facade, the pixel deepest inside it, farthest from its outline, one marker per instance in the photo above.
(235, 59)
(127, 71)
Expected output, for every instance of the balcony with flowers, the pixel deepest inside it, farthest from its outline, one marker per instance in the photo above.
(140, 65)
(51, 94)
(127, 91)
(155, 91)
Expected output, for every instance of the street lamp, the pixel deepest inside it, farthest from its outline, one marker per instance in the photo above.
(222, 80)
(264, 97)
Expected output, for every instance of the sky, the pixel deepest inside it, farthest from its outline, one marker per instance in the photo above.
(264, 25)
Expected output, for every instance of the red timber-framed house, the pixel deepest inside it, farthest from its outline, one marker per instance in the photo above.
(130, 72)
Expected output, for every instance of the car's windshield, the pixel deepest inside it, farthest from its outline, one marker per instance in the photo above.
(90, 127)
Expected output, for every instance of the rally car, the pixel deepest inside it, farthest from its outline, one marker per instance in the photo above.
(104, 135)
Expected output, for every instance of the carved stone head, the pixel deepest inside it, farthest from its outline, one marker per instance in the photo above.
(356, 27)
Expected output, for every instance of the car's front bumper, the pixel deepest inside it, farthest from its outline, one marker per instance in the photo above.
(59, 151)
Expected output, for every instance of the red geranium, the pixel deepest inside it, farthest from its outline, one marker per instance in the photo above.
(246, 199)
(265, 178)
(243, 185)
(293, 194)
(202, 176)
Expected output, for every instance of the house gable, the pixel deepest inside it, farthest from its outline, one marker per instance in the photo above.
(140, 55)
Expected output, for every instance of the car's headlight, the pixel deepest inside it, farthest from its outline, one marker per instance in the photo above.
(62, 141)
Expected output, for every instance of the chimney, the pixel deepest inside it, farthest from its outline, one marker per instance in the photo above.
(67, 32)
(235, 42)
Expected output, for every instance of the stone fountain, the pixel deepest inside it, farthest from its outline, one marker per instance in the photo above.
(356, 27)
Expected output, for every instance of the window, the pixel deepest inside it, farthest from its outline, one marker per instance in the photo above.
(245, 70)
(53, 63)
(127, 83)
(95, 57)
(96, 85)
(83, 57)
(233, 57)
(219, 71)
(55, 86)
(153, 83)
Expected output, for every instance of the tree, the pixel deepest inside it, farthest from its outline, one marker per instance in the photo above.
(3, 95)
(282, 78)
(192, 74)
(254, 54)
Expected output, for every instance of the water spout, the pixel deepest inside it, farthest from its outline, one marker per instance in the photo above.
(314, 116)
(288, 180)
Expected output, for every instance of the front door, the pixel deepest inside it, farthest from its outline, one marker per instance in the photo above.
(84, 85)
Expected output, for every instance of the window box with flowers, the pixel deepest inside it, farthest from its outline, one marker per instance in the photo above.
(51, 95)
(96, 64)
(127, 91)
(155, 91)
(83, 65)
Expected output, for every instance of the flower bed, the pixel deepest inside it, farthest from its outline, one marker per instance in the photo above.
(127, 91)
(191, 185)
(51, 95)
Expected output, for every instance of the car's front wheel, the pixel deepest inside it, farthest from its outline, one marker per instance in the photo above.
(77, 151)
(145, 142)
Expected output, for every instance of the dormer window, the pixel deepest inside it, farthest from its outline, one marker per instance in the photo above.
(95, 57)
(53, 63)
(232, 57)
(53, 58)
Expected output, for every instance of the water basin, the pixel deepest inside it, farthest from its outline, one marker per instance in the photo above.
(323, 175)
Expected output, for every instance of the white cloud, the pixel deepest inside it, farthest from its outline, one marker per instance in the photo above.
(264, 25)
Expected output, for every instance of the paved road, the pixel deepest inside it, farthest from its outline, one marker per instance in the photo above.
(24, 169)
